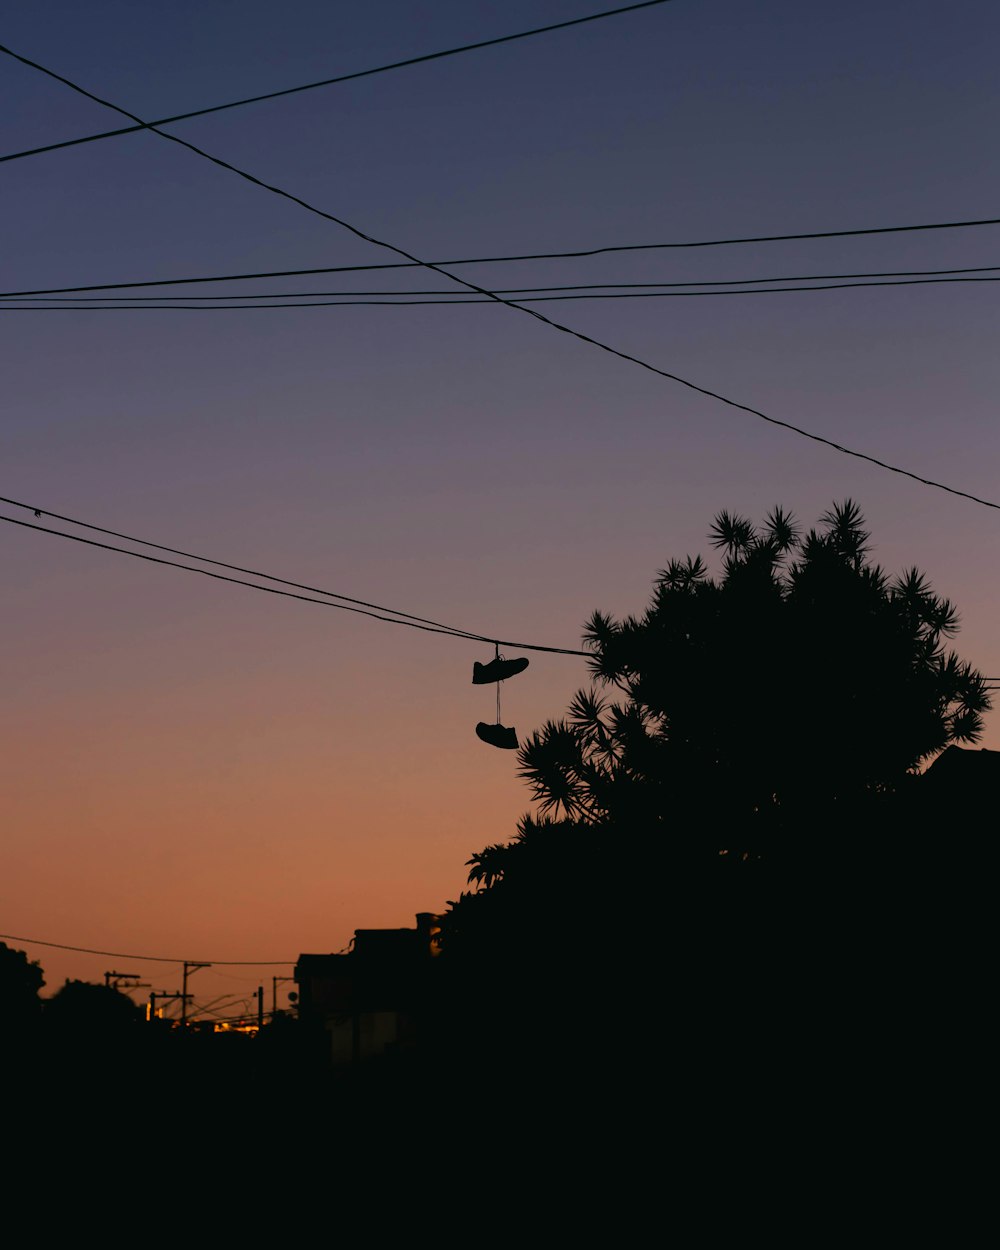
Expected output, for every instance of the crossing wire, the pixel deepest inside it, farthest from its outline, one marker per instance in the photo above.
(530, 312)
(324, 82)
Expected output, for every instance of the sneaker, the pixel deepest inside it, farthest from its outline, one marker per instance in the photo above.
(498, 735)
(497, 670)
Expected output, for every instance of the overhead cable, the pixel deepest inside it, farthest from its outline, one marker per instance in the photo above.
(234, 568)
(490, 260)
(530, 312)
(154, 959)
(444, 298)
(513, 290)
(415, 622)
(372, 610)
(324, 82)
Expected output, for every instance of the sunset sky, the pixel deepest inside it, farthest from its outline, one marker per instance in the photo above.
(192, 770)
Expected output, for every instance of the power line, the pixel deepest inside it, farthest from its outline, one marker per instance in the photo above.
(155, 959)
(531, 312)
(219, 1018)
(513, 290)
(399, 618)
(415, 622)
(492, 260)
(324, 82)
(235, 568)
(446, 299)
(249, 1018)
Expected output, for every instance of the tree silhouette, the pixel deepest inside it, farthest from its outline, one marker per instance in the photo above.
(775, 716)
(20, 981)
(87, 1010)
(794, 693)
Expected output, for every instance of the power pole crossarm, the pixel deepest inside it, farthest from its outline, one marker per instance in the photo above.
(190, 966)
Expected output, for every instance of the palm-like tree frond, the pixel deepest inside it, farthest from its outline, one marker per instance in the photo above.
(682, 574)
(551, 762)
(489, 865)
(586, 712)
(782, 529)
(846, 529)
(732, 533)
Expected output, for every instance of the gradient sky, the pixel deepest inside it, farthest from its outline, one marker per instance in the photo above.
(192, 770)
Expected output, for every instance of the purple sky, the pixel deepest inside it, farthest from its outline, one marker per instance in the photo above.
(196, 771)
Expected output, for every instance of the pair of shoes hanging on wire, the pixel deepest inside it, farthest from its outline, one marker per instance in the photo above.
(497, 670)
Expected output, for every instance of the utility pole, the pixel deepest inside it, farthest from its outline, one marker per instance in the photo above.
(160, 994)
(190, 965)
(119, 976)
(274, 993)
(124, 981)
